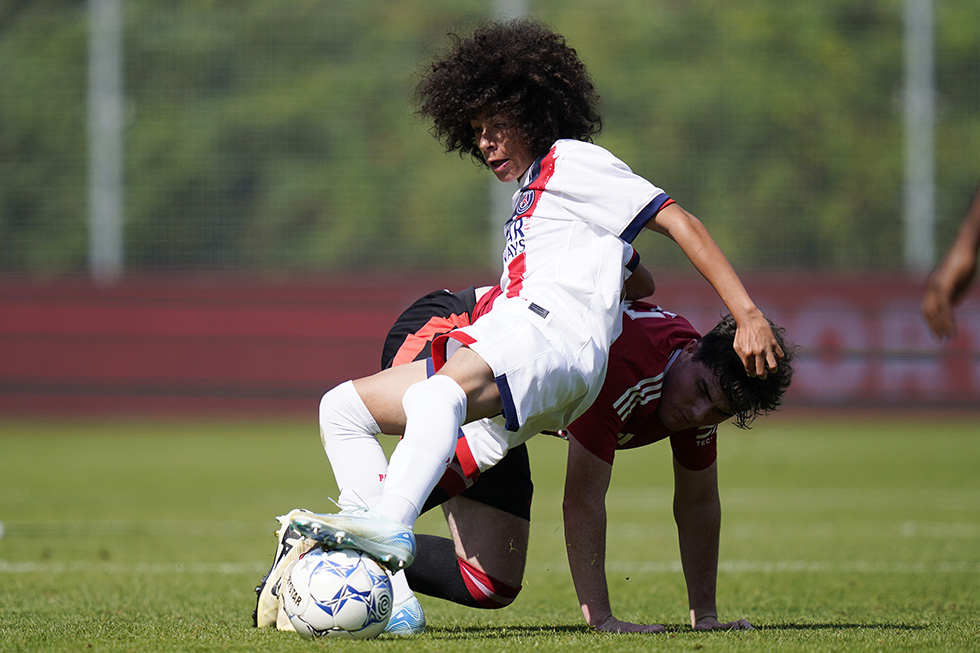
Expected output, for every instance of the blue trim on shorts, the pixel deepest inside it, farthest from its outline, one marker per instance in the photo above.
(511, 420)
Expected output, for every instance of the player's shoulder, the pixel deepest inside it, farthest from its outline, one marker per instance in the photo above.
(568, 149)
(651, 333)
(574, 166)
(639, 314)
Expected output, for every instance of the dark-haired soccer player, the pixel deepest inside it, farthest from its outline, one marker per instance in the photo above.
(517, 98)
(665, 381)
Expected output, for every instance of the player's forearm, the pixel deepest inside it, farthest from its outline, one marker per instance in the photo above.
(967, 241)
(970, 227)
(968, 236)
(585, 543)
(704, 253)
(698, 529)
(711, 262)
(958, 268)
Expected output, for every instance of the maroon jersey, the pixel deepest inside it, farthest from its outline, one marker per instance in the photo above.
(624, 415)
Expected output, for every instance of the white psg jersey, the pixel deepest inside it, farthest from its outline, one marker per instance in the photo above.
(567, 242)
(566, 256)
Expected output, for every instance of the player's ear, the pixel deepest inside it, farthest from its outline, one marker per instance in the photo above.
(688, 350)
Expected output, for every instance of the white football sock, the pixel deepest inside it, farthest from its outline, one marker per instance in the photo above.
(347, 431)
(434, 410)
(400, 590)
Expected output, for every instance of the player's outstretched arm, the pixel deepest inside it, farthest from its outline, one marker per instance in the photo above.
(754, 341)
(586, 482)
(697, 511)
(950, 279)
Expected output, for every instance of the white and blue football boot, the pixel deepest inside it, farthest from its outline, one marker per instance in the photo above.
(406, 618)
(389, 542)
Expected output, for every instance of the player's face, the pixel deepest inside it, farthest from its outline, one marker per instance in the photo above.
(691, 395)
(507, 155)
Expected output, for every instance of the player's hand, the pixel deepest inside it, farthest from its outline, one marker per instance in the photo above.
(712, 623)
(945, 288)
(614, 625)
(756, 346)
(938, 313)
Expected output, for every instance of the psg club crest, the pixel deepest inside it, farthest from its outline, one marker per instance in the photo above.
(525, 202)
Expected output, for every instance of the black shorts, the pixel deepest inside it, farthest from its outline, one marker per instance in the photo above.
(438, 304)
(507, 485)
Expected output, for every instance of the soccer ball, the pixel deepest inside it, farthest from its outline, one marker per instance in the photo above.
(337, 593)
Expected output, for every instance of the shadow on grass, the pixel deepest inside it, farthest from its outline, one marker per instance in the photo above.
(517, 632)
(502, 632)
(831, 626)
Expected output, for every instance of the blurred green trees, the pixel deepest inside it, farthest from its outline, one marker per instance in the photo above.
(279, 136)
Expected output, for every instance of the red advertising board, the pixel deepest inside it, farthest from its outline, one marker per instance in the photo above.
(185, 347)
(862, 340)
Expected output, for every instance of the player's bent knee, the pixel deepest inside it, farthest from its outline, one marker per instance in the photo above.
(331, 412)
(344, 415)
(488, 592)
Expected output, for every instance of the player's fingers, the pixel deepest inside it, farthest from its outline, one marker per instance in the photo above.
(938, 313)
(940, 324)
(748, 360)
(772, 359)
(946, 323)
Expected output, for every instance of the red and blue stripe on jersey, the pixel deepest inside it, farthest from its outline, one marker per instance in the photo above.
(542, 171)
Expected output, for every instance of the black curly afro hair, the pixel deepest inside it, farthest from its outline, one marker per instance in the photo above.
(748, 397)
(519, 70)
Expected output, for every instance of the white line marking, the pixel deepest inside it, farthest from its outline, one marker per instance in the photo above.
(852, 567)
(7, 567)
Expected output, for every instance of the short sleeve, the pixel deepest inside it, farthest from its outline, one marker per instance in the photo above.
(597, 429)
(603, 190)
(695, 449)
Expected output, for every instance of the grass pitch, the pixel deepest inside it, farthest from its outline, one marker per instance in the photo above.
(846, 535)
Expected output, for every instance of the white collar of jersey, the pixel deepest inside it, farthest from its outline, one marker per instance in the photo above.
(673, 357)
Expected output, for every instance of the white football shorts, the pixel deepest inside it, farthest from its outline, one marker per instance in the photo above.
(548, 371)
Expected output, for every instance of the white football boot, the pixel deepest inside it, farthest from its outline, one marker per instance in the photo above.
(356, 527)
(290, 545)
(406, 618)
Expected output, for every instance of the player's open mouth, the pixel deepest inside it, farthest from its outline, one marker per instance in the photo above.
(498, 164)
